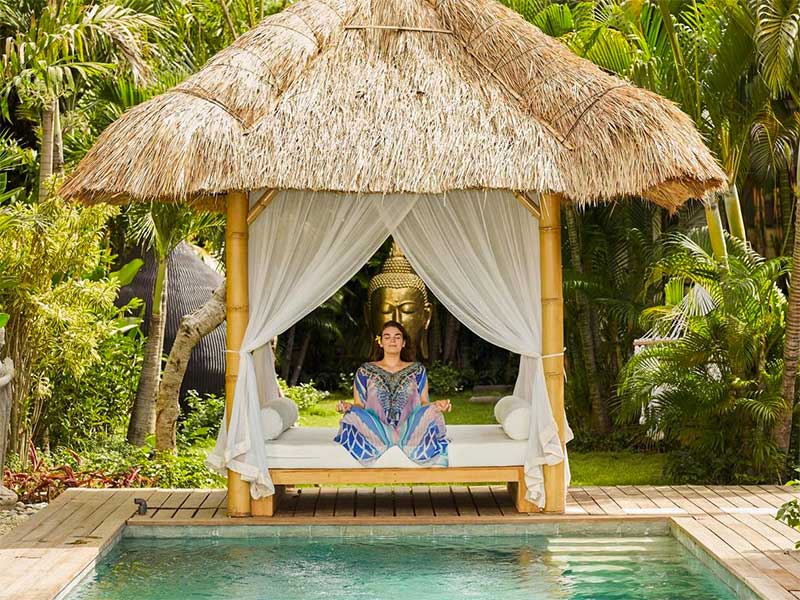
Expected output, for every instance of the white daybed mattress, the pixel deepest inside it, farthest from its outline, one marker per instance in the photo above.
(470, 446)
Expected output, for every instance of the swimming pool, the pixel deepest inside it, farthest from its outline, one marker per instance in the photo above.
(507, 567)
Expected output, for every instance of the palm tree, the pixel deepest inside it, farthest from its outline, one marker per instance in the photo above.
(52, 47)
(715, 391)
(160, 228)
(778, 44)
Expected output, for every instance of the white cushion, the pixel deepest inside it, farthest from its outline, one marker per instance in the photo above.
(503, 406)
(287, 409)
(514, 416)
(271, 423)
(470, 446)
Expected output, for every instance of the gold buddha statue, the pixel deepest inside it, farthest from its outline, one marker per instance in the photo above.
(399, 294)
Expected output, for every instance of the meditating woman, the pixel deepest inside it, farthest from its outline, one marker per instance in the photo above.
(390, 407)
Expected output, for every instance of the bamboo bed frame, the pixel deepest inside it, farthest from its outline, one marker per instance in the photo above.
(240, 504)
(512, 476)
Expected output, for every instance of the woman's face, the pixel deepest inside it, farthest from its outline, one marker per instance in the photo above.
(392, 340)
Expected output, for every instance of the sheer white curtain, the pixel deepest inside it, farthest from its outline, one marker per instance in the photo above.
(478, 252)
(302, 248)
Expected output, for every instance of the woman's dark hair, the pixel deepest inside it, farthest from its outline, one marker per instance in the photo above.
(407, 354)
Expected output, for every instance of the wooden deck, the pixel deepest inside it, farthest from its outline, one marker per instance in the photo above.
(735, 524)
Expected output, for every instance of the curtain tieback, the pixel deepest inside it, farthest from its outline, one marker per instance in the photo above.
(537, 355)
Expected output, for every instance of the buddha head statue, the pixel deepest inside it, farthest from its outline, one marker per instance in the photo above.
(399, 294)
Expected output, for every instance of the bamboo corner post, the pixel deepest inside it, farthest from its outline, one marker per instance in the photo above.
(236, 313)
(553, 338)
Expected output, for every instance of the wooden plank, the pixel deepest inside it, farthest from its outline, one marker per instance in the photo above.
(751, 535)
(213, 501)
(781, 493)
(384, 502)
(503, 500)
(586, 502)
(677, 499)
(345, 503)
(327, 502)
(53, 530)
(421, 498)
(776, 536)
(749, 494)
(307, 502)
(393, 476)
(726, 534)
(779, 527)
(463, 501)
(443, 502)
(52, 515)
(365, 502)
(604, 501)
(774, 571)
(695, 498)
(484, 501)
(288, 502)
(191, 505)
(572, 506)
(403, 502)
(636, 497)
(171, 505)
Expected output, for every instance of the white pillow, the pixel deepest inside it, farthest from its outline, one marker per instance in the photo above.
(271, 423)
(287, 409)
(514, 416)
(501, 408)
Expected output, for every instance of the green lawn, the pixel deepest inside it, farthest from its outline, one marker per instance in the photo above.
(591, 468)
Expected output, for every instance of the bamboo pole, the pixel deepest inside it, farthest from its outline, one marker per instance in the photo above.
(236, 313)
(716, 231)
(553, 337)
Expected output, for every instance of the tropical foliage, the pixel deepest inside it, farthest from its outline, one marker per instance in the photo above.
(714, 386)
(71, 68)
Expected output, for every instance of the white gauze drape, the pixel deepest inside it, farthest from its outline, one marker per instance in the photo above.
(302, 248)
(478, 252)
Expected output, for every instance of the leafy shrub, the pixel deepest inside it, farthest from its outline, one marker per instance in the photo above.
(305, 395)
(203, 418)
(715, 391)
(93, 407)
(789, 512)
(444, 379)
(113, 465)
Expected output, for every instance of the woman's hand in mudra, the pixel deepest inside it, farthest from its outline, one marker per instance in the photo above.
(443, 405)
(344, 407)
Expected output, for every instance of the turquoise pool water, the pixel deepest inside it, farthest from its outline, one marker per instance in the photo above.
(407, 568)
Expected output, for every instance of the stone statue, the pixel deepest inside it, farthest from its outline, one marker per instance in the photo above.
(399, 294)
(7, 497)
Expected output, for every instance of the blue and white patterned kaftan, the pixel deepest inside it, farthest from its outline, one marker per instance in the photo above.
(393, 415)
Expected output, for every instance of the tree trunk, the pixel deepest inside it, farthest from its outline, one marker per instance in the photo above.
(143, 415)
(733, 210)
(791, 343)
(601, 423)
(58, 141)
(46, 153)
(192, 329)
(286, 367)
(716, 231)
(451, 329)
(301, 359)
(7, 497)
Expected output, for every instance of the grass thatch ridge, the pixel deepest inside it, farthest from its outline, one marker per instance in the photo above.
(312, 98)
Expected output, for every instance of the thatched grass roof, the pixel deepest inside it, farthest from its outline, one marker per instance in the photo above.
(418, 96)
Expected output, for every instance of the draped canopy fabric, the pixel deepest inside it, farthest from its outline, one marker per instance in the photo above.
(478, 252)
